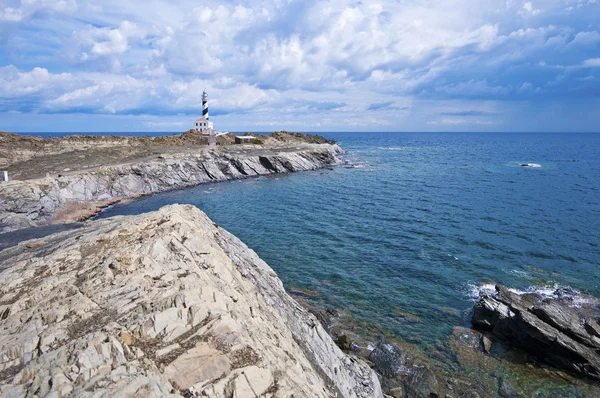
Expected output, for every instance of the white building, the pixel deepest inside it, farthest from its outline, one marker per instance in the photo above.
(203, 126)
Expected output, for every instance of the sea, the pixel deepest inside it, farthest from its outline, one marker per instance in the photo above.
(408, 231)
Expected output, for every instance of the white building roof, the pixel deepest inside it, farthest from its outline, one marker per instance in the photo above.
(245, 137)
(202, 119)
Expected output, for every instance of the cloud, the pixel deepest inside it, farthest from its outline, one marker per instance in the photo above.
(112, 93)
(380, 106)
(27, 91)
(472, 88)
(460, 122)
(101, 47)
(467, 113)
(30, 8)
(326, 106)
(153, 125)
(528, 9)
(592, 63)
(586, 39)
(320, 62)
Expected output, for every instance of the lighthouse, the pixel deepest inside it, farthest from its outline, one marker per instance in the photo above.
(203, 125)
(205, 105)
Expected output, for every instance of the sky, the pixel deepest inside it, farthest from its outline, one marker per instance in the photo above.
(300, 65)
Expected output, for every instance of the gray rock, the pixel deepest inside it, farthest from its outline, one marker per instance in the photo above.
(592, 327)
(160, 304)
(487, 344)
(505, 390)
(34, 202)
(344, 342)
(401, 374)
(545, 327)
(565, 319)
(489, 311)
(389, 361)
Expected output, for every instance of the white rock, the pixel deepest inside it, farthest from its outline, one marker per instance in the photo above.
(228, 320)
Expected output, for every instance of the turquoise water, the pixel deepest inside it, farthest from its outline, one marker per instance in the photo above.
(404, 235)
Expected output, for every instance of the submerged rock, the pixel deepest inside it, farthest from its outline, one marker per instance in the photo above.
(402, 374)
(487, 344)
(161, 304)
(344, 342)
(545, 326)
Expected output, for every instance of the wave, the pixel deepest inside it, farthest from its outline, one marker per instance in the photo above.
(355, 166)
(523, 164)
(522, 273)
(532, 165)
(566, 294)
(394, 148)
(358, 165)
(475, 291)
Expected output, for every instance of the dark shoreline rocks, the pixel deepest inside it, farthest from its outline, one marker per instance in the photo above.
(470, 364)
(547, 327)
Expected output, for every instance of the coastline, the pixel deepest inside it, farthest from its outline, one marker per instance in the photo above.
(78, 195)
(225, 347)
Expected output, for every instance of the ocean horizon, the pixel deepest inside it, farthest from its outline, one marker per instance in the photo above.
(46, 134)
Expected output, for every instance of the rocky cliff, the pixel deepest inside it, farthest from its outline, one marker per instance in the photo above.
(34, 202)
(161, 304)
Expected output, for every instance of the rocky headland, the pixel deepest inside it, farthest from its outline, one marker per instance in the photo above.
(160, 304)
(72, 178)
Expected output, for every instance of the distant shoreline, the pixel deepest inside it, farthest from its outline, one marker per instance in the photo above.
(72, 178)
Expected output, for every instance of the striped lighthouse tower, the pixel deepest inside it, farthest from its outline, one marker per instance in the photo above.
(203, 125)
(205, 105)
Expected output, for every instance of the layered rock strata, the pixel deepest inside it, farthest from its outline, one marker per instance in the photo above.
(33, 202)
(548, 328)
(161, 304)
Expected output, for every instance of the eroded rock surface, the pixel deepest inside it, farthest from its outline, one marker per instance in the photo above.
(546, 327)
(33, 202)
(16, 150)
(160, 304)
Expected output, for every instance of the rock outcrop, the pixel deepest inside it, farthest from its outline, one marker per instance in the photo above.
(545, 326)
(33, 202)
(162, 304)
(18, 148)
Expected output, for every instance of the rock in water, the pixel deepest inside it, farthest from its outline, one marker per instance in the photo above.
(344, 342)
(160, 304)
(487, 344)
(544, 326)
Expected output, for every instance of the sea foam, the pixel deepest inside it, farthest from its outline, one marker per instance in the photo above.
(567, 294)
